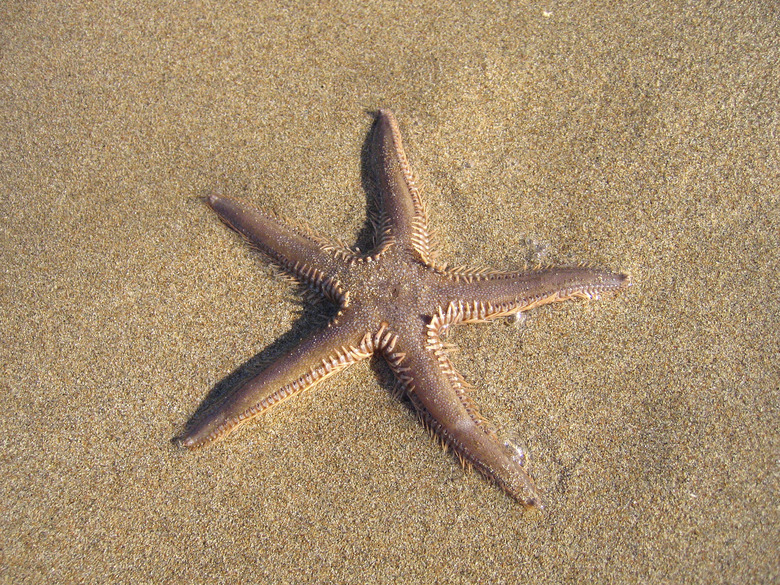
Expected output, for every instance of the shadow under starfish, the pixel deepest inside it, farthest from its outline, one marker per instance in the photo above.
(397, 301)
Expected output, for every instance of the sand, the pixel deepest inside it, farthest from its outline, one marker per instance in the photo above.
(637, 136)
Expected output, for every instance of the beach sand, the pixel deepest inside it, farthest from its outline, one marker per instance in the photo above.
(642, 137)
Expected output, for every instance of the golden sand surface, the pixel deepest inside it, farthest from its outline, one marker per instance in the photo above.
(640, 136)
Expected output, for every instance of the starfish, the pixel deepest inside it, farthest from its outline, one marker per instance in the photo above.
(397, 301)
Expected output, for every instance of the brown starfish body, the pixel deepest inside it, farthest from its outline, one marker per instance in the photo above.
(398, 302)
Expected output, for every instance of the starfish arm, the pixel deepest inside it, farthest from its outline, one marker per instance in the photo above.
(441, 397)
(403, 217)
(296, 251)
(316, 358)
(480, 296)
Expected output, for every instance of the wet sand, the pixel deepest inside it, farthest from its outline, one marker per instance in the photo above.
(642, 138)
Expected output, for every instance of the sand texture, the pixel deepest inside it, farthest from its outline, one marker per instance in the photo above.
(638, 136)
